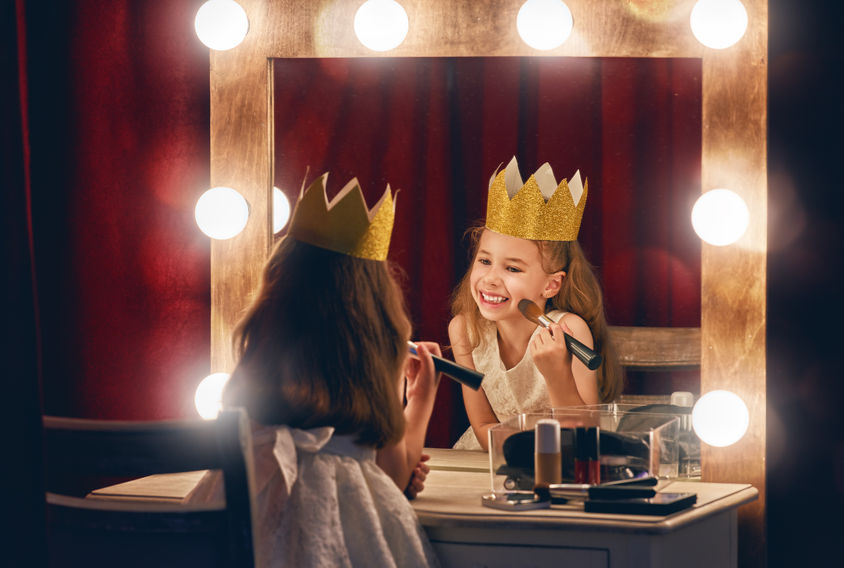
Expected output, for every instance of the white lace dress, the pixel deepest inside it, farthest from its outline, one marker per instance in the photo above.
(509, 391)
(341, 510)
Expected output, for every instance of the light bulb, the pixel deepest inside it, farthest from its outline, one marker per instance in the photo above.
(720, 217)
(718, 23)
(381, 25)
(281, 210)
(544, 24)
(221, 212)
(221, 24)
(720, 418)
(208, 398)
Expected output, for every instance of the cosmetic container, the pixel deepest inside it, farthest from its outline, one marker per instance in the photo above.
(548, 465)
(587, 458)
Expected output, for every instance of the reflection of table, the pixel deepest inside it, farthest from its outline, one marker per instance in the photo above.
(465, 533)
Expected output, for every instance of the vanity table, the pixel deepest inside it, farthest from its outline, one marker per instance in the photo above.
(465, 533)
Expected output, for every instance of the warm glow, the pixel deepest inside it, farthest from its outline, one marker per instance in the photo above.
(209, 394)
(718, 23)
(720, 217)
(544, 24)
(281, 210)
(720, 418)
(221, 213)
(381, 25)
(221, 24)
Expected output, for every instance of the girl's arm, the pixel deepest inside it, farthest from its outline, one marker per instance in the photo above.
(400, 459)
(569, 382)
(481, 415)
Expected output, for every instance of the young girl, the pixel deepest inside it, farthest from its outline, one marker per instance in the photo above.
(322, 372)
(528, 250)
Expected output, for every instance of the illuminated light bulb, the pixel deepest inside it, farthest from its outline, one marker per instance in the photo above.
(221, 213)
(544, 24)
(718, 23)
(720, 418)
(208, 398)
(720, 217)
(381, 25)
(221, 24)
(281, 210)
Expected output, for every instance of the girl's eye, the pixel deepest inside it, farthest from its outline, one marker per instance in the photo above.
(514, 269)
(484, 261)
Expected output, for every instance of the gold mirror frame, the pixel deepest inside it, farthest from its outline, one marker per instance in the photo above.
(734, 155)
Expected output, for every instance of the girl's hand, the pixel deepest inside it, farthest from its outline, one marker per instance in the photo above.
(418, 477)
(422, 378)
(549, 351)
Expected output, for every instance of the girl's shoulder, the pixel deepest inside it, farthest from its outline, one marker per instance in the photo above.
(576, 323)
(462, 330)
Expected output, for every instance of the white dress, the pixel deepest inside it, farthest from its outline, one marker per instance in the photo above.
(509, 391)
(341, 509)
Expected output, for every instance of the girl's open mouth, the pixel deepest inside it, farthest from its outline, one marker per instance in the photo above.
(493, 299)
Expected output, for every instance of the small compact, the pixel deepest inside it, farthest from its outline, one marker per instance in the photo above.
(515, 501)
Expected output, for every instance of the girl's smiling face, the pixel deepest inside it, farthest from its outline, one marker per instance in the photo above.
(506, 270)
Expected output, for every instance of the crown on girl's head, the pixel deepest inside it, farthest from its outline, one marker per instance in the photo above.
(344, 224)
(537, 209)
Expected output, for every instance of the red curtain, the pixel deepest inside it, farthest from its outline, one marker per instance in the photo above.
(119, 108)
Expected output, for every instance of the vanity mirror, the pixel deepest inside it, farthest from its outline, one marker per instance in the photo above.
(732, 155)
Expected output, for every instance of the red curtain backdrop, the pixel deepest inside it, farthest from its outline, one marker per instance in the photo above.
(436, 129)
(120, 152)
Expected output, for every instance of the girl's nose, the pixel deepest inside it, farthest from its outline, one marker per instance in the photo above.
(492, 277)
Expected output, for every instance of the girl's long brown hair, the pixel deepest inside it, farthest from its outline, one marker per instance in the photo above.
(323, 344)
(580, 293)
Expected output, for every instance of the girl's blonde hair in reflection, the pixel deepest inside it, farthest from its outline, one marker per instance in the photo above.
(580, 293)
(323, 344)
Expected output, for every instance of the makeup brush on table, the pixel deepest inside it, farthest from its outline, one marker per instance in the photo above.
(461, 374)
(589, 357)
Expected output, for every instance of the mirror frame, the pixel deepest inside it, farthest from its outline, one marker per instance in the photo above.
(734, 155)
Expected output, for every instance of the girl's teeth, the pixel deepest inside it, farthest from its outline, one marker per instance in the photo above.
(493, 299)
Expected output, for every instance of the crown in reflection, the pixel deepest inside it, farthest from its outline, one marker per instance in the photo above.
(344, 224)
(538, 209)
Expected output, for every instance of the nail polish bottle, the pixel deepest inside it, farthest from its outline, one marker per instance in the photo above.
(587, 458)
(547, 463)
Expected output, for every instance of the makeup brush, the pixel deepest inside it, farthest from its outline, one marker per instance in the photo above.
(461, 374)
(590, 358)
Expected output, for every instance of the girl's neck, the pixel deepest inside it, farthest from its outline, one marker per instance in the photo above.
(513, 339)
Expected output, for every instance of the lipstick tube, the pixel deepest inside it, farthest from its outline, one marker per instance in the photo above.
(587, 458)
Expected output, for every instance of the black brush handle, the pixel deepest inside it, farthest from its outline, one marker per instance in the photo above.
(588, 356)
(461, 374)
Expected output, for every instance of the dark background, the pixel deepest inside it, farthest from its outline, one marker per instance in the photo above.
(104, 115)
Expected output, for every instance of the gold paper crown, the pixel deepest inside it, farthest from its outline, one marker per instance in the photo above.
(538, 209)
(344, 224)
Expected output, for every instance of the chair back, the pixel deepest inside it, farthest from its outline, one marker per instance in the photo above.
(95, 532)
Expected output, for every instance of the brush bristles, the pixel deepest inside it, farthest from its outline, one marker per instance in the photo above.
(530, 310)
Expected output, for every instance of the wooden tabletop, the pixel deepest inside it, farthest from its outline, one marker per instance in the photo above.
(459, 479)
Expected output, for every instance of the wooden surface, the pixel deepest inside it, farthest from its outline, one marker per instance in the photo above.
(454, 497)
(159, 488)
(657, 348)
(734, 155)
